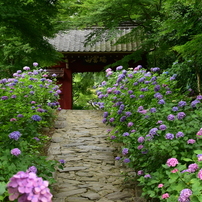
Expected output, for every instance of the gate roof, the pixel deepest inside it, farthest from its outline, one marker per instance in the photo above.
(73, 42)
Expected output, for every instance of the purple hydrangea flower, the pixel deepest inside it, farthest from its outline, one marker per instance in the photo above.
(35, 64)
(130, 92)
(193, 103)
(161, 102)
(123, 118)
(155, 69)
(158, 96)
(154, 78)
(179, 134)
(140, 172)
(125, 151)
(104, 120)
(111, 119)
(175, 109)
(126, 160)
(140, 147)
(4, 97)
(153, 131)
(135, 84)
(20, 115)
(184, 195)
(144, 89)
(153, 110)
(32, 169)
(132, 96)
(113, 137)
(182, 104)
(193, 167)
(119, 68)
(147, 176)
(141, 96)
(122, 106)
(157, 88)
(126, 134)
(140, 139)
(62, 161)
(168, 92)
(128, 114)
(15, 152)
(36, 118)
(170, 117)
(162, 127)
(181, 115)
(130, 124)
(15, 135)
(117, 158)
(169, 136)
(142, 79)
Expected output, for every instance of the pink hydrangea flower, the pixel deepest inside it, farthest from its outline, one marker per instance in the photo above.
(140, 147)
(164, 196)
(160, 185)
(200, 174)
(172, 162)
(174, 170)
(26, 186)
(199, 133)
(15, 152)
(130, 124)
(191, 141)
(13, 119)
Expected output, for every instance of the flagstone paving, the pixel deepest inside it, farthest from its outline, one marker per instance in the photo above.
(90, 172)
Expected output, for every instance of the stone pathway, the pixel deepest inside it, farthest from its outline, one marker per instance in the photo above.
(90, 172)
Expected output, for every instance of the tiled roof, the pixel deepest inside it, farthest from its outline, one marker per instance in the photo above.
(73, 41)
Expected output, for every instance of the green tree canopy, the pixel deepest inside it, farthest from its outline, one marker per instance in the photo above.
(167, 29)
(25, 26)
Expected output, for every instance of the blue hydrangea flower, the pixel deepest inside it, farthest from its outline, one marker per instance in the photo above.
(15, 135)
(175, 109)
(161, 102)
(182, 104)
(193, 103)
(126, 160)
(105, 114)
(126, 134)
(36, 118)
(153, 110)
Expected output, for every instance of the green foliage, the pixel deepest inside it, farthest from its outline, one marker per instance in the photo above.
(24, 29)
(83, 93)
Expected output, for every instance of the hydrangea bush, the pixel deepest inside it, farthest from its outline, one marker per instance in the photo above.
(28, 103)
(152, 119)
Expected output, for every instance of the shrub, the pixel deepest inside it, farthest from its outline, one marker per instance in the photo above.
(28, 103)
(151, 118)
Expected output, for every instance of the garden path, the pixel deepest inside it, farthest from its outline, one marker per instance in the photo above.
(90, 172)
